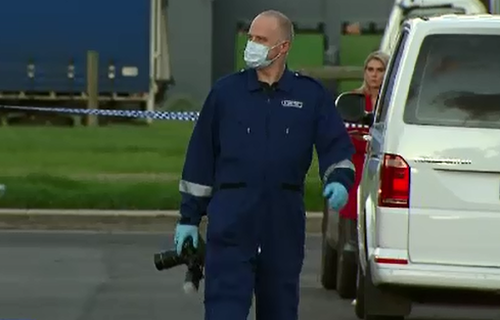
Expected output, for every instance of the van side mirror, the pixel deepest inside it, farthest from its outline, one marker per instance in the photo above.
(351, 106)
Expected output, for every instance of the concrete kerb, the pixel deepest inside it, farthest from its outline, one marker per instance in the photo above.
(107, 220)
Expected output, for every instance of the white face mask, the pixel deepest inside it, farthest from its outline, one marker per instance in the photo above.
(256, 55)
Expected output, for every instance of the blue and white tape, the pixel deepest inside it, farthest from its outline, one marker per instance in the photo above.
(137, 114)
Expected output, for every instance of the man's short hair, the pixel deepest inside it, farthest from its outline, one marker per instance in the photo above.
(284, 22)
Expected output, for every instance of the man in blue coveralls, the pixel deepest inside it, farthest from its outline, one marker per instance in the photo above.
(245, 168)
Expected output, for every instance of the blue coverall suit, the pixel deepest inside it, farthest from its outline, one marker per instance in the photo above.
(245, 168)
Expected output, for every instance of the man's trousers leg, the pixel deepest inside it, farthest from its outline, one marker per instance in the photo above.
(279, 264)
(229, 283)
(277, 293)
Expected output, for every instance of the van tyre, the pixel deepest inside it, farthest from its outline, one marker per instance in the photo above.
(384, 318)
(360, 304)
(371, 301)
(346, 267)
(346, 275)
(359, 307)
(328, 265)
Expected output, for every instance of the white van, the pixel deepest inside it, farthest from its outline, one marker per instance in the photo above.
(408, 9)
(429, 198)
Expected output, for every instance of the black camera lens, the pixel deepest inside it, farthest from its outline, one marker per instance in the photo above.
(158, 260)
(167, 259)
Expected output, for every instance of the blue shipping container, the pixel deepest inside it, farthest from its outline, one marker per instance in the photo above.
(52, 35)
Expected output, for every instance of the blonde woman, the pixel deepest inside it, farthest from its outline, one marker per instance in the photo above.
(375, 65)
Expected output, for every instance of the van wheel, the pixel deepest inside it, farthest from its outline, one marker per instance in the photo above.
(346, 269)
(328, 266)
(359, 307)
(346, 276)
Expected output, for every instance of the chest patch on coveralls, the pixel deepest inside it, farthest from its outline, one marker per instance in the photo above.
(291, 104)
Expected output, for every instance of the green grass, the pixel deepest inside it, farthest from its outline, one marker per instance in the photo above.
(117, 167)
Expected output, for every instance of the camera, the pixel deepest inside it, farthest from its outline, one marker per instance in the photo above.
(193, 258)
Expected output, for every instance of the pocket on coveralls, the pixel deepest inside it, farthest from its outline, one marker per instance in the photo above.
(227, 215)
(297, 220)
(236, 133)
(296, 134)
(296, 206)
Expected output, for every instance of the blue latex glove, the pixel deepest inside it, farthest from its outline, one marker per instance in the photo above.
(337, 195)
(182, 232)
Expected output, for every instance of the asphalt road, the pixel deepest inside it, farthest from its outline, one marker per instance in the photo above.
(50, 275)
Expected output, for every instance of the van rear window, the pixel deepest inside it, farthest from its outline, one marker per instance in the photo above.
(456, 82)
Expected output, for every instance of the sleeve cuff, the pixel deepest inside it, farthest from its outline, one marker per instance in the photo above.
(192, 208)
(344, 176)
(193, 221)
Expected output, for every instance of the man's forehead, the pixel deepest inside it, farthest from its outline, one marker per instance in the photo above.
(265, 26)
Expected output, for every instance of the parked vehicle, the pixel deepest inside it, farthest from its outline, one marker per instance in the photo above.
(339, 234)
(429, 201)
(339, 254)
(408, 9)
(45, 43)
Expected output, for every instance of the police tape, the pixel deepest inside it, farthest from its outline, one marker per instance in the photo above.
(136, 114)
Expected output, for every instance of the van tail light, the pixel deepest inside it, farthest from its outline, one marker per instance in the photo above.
(380, 260)
(394, 191)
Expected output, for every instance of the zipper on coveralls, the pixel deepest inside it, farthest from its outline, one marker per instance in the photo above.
(267, 118)
(268, 100)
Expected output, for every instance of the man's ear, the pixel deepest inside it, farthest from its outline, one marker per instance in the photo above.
(286, 46)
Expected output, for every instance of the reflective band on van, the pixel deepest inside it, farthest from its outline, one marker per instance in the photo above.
(344, 164)
(194, 189)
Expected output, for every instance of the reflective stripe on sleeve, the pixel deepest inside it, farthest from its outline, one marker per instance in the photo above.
(194, 189)
(344, 164)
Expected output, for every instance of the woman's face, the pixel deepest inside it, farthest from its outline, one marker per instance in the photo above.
(374, 74)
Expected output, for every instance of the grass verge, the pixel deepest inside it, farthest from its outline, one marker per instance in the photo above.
(119, 167)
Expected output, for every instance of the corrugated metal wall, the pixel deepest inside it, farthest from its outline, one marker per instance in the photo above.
(190, 42)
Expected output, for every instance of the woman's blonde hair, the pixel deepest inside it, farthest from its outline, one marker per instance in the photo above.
(380, 56)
